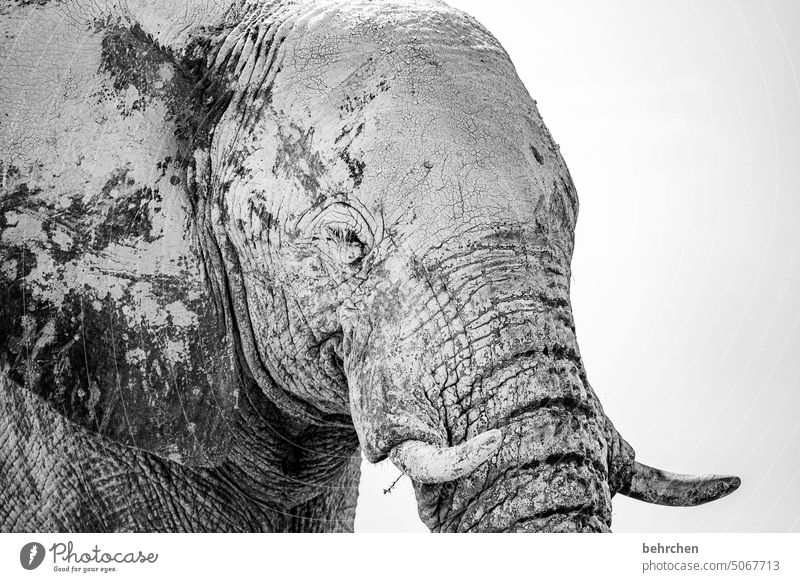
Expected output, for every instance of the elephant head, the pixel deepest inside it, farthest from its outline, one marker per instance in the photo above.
(311, 218)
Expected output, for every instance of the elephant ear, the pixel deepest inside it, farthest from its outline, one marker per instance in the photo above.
(106, 310)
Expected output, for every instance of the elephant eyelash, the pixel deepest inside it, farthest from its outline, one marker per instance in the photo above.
(339, 235)
(345, 236)
(354, 248)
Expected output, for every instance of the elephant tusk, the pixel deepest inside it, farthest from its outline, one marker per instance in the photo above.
(427, 463)
(665, 488)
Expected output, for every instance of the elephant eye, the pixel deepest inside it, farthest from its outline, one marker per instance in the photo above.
(343, 235)
(347, 247)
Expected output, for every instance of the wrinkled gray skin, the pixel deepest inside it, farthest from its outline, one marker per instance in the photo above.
(240, 242)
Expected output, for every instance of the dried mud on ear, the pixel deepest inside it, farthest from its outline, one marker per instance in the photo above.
(106, 311)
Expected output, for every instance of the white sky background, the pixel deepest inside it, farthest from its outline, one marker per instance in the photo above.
(680, 123)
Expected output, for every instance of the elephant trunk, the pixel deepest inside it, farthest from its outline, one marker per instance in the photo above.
(482, 399)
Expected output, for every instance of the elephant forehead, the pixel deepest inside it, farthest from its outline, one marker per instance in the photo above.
(343, 44)
(413, 109)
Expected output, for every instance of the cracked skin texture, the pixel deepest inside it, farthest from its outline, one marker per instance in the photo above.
(242, 241)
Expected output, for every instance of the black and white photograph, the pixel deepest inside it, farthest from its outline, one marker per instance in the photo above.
(400, 267)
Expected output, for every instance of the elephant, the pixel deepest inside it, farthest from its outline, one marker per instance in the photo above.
(245, 242)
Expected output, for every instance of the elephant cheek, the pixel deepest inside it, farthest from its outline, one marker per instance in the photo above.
(388, 408)
(387, 401)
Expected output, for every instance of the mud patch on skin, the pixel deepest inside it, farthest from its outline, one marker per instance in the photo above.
(139, 70)
(142, 74)
(355, 103)
(104, 318)
(18, 263)
(129, 214)
(263, 222)
(13, 198)
(35, 2)
(136, 383)
(123, 212)
(350, 130)
(297, 158)
(354, 166)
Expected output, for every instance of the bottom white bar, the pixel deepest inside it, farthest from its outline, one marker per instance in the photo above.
(388, 557)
